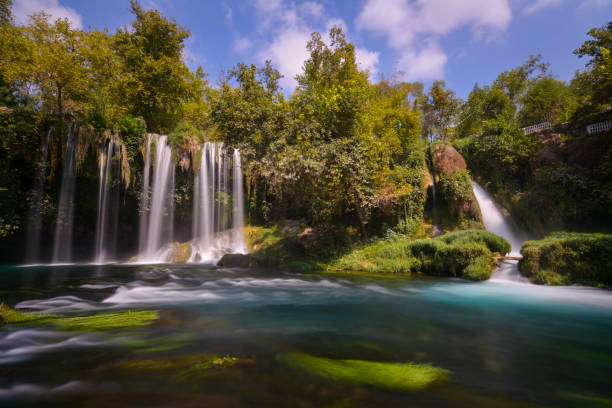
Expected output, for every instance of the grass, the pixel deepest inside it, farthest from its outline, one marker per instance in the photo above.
(563, 258)
(468, 254)
(393, 376)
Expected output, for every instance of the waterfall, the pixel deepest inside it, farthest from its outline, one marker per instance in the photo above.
(212, 215)
(496, 222)
(157, 222)
(34, 220)
(106, 225)
(62, 244)
(238, 243)
(145, 198)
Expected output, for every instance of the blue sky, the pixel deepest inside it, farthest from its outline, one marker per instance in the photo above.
(459, 41)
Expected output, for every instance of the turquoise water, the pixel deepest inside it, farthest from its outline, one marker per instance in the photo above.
(507, 344)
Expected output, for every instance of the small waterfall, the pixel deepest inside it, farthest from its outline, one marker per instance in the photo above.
(62, 244)
(496, 222)
(35, 217)
(145, 199)
(106, 225)
(159, 223)
(238, 243)
(212, 216)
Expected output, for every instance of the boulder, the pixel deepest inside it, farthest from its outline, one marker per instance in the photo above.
(237, 261)
(446, 160)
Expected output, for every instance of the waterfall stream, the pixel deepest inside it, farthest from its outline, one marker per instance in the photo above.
(62, 243)
(106, 225)
(497, 222)
(157, 222)
(212, 211)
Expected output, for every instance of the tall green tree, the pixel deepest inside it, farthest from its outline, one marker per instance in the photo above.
(440, 108)
(156, 83)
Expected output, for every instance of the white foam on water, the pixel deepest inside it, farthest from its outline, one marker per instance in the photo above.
(57, 304)
(26, 390)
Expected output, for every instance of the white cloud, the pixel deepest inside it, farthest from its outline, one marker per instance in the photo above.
(426, 64)
(290, 27)
(540, 4)
(288, 53)
(242, 44)
(367, 60)
(311, 8)
(24, 8)
(408, 23)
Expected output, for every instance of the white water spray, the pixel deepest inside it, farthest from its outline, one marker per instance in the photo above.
(62, 244)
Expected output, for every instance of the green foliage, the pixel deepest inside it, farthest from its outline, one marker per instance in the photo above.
(440, 108)
(131, 131)
(393, 376)
(456, 187)
(563, 258)
(546, 100)
(594, 85)
(447, 255)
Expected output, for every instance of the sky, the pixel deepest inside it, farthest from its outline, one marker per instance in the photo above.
(462, 42)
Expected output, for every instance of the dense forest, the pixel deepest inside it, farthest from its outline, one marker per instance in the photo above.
(351, 157)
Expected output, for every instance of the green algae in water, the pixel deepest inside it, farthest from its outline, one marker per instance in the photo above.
(107, 321)
(394, 376)
(9, 315)
(203, 368)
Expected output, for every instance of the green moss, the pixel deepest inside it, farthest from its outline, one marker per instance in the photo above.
(9, 315)
(394, 376)
(105, 321)
(209, 363)
(563, 258)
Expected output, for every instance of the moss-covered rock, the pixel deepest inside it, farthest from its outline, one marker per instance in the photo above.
(454, 183)
(237, 260)
(563, 258)
(393, 376)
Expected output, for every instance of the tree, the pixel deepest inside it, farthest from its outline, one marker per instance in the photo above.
(594, 85)
(156, 82)
(440, 109)
(516, 81)
(5, 12)
(546, 100)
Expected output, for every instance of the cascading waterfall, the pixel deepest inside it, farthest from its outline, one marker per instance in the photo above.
(35, 216)
(238, 242)
(212, 235)
(145, 198)
(496, 222)
(106, 225)
(157, 222)
(62, 244)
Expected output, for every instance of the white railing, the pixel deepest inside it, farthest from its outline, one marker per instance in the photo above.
(599, 127)
(535, 128)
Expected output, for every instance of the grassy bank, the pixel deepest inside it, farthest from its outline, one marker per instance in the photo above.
(468, 254)
(564, 258)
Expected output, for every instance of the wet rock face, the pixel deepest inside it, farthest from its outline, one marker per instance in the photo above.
(446, 160)
(450, 170)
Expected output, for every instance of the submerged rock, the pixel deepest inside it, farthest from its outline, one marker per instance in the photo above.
(237, 261)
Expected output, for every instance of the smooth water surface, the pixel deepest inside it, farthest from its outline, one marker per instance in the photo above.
(507, 344)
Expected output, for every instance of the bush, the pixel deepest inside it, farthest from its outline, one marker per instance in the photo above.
(480, 269)
(563, 257)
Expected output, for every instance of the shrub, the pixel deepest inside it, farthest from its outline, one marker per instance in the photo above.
(564, 257)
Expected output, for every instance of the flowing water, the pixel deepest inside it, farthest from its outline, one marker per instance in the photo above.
(540, 346)
(497, 222)
(108, 197)
(218, 212)
(158, 220)
(62, 243)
